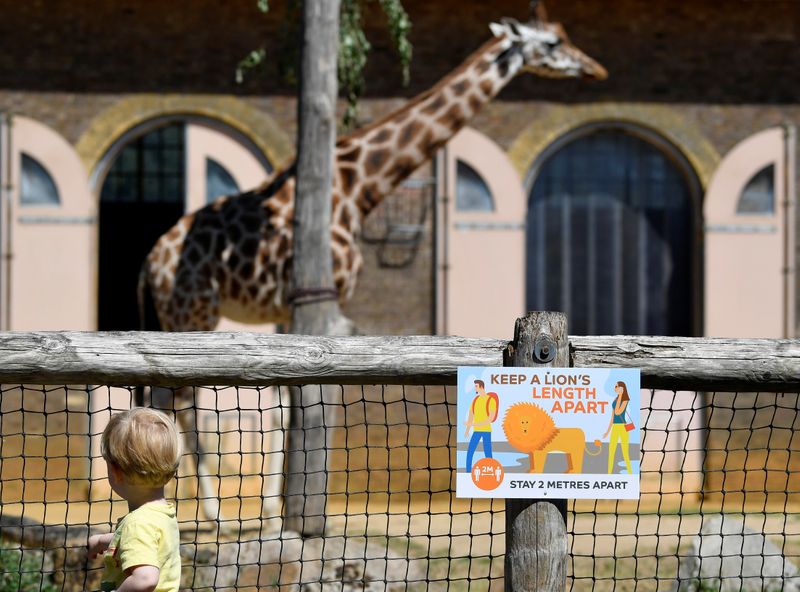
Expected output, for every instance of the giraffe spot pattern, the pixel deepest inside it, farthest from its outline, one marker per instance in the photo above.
(474, 102)
(347, 179)
(382, 136)
(235, 288)
(460, 87)
(403, 168)
(345, 218)
(233, 260)
(453, 118)
(249, 247)
(375, 161)
(408, 133)
(428, 143)
(434, 106)
(351, 154)
(368, 199)
(402, 115)
(483, 66)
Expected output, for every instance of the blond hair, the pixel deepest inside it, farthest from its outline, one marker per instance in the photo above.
(144, 444)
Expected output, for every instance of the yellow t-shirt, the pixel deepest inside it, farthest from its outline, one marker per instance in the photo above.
(147, 536)
(482, 404)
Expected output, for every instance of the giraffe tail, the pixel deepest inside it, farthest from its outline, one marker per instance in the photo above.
(141, 294)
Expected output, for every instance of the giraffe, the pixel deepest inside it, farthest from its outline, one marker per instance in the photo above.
(233, 257)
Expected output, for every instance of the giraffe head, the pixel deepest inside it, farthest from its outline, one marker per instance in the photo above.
(543, 48)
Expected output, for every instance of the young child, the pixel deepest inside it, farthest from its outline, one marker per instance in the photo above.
(142, 450)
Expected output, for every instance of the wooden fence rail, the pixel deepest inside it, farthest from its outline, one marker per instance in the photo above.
(249, 359)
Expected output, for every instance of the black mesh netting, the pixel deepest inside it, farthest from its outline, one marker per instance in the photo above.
(721, 464)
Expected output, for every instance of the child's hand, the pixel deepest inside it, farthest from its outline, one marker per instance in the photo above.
(98, 543)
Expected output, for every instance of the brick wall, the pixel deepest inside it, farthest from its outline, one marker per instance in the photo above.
(655, 50)
(729, 73)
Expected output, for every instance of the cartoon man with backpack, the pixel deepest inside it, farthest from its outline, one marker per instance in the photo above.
(482, 413)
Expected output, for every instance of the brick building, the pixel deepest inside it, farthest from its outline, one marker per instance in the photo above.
(652, 202)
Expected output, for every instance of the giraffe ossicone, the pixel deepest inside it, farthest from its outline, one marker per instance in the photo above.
(233, 258)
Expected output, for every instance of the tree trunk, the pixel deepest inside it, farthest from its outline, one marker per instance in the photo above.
(315, 305)
(316, 138)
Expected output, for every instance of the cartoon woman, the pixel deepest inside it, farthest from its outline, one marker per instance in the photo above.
(617, 427)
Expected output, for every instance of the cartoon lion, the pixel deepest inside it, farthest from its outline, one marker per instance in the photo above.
(530, 429)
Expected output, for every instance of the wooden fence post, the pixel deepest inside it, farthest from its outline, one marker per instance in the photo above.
(536, 530)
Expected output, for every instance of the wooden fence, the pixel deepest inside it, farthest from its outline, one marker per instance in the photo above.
(534, 530)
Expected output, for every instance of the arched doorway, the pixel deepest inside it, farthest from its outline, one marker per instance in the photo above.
(613, 234)
(142, 196)
(152, 176)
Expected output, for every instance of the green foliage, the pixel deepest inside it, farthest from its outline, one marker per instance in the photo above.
(353, 50)
(354, 47)
(399, 27)
(714, 585)
(707, 585)
(253, 59)
(21, 571)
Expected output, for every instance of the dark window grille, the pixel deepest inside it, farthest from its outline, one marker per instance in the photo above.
(150, 169)
(609, 238)
(143, 195)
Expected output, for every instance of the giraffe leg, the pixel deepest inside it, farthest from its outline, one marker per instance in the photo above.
(186, 416)
(341, 325)
(199, 313)
(272, 479)
(205, 300)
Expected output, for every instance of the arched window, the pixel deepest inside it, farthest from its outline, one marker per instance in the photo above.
(472, 193)
(142, 196)
(758, 196)
(150, 169)
(37, 187)
(218, 181)
(610, 237)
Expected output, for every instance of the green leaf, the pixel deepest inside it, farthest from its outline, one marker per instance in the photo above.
(252, 60)
(353, 50)
(354, 47)
(399, 27)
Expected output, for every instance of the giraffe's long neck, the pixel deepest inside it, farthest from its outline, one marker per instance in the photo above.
(373, 161)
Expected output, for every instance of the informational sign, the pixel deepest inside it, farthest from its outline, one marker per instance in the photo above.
(548, 432)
